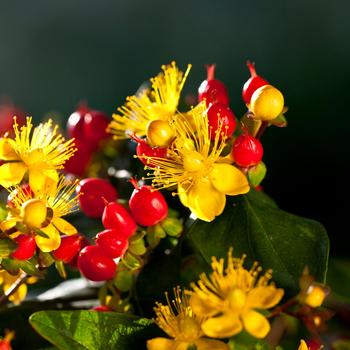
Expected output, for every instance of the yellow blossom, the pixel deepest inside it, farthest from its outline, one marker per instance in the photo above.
(6, 282)
(194, 165)
(158, 103)
(38, 152)
(179, 322)
(42, 214)
(230, 298)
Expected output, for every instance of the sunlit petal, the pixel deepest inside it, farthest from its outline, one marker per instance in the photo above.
(264, 297)
(64, 226)
(12, 173)
(255, 324)
(161, 344)
(224, 326)
(51, 243)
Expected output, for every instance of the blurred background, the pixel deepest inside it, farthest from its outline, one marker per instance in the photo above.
(55, 54)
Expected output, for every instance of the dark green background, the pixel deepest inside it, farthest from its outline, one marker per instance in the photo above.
(55, 53)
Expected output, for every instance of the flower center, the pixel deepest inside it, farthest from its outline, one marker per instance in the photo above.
(34, 212)
(237, 299)
(193, 161)
(189, 328)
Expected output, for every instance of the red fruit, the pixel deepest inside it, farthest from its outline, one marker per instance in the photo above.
(94, 192)
(26, 247)
(74, 261)
(247, 151)
(79, 162)
(252, 84)
(100, 308)
(219, 113)
(112, 243)
(95, 125)
(314, 344)
(144, 149)
(7, 112)
(68, 249)
(13, 195)
(95, 265)
(147, 206)
(212, 90)
(5, 345)
(115, 216)
(75, 125)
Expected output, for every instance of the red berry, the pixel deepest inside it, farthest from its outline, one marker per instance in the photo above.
(79, 162)
(74, 261)
(75, 125)
(25, 189)
(219, 113)
(100, 308)
(144, 149)
(147, 206)
(68, 249)
(95, 265)
(314, 344)
(94, 192)
(115, 216)
(26, 247)
(95, 125)
(252, 84)
(7, 112)
(247, 151)
(212, 90)
(112, 243)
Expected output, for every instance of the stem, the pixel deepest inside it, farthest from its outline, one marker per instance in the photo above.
(283, 308)
(20, 280)
(262, 129)
(210, 71)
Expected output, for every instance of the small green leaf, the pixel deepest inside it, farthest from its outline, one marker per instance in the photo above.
(256, 174)
(7, 246)
(131, 261)
(61, 269)
(137, 247)
(124, 280)
(91, 330)
(251, 124)
(172, 226)
(280, 121)
(28, 268)
(40, 233)
(253, 225)
(10, 266)
(45, 259)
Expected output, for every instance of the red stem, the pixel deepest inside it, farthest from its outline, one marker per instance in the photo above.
(134, 182)
(135, 138)
(251, 67)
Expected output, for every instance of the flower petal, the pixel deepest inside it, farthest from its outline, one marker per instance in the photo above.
(303, 345)
(205, 201)
(19, 294)
(51, 243)
(264, 297)
(7, 149)
(12, 173)
(43, 181)
(228, 179)
(64, 226)
(8, 224)
(224, 326)
(161, 343)
(202, 307)
(210, 344)
(255, 323)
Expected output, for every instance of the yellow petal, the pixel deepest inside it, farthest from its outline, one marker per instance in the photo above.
(303, 345)
(210, 344)
(228, 179)
(224, 326)
(51, 243)
(205, 201)
(12, 173)
(43, 181)
(264, 297)
(64, 226)
(8, 224)
(183, 194)
(19, 294)
(161, 344)
(255, 324)
(202, 307)
(7, 149)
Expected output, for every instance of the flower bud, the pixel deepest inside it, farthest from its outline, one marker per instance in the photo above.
(159, 133)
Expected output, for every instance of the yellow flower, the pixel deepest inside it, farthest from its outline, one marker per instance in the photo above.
(6, 282)
(42, 214)
(230, 297)
(194, 165)
(180, 323)
(303, 345)
(40, 152)
(158, 103)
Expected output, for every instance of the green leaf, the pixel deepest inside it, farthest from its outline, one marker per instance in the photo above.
(338, 278)
(7, 246)
(61, 269)
(172, 226)
(280, 121)
(91, 330)
(253, 225)
(256, 174)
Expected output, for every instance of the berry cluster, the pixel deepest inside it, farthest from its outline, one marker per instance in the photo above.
(97, 198)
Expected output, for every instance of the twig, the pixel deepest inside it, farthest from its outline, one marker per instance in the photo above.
(20, 280)
(262, 129)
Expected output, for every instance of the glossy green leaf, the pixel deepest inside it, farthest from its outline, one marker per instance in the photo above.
(253, 225)
(7, 245)
(91, 330)
(256, 174)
